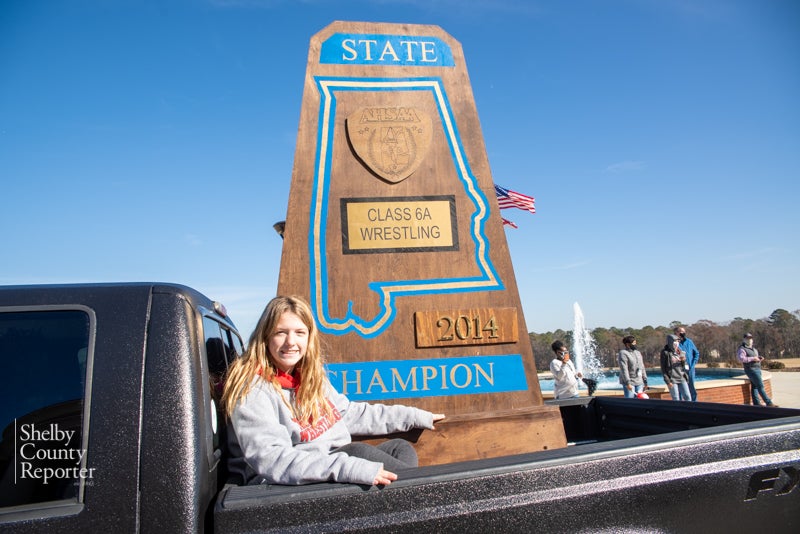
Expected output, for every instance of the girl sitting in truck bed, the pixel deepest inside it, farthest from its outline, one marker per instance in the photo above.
(289, 423)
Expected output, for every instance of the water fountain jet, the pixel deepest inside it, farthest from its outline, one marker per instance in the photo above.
(584, 351)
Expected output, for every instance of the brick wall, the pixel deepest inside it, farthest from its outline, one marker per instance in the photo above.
(733, 393)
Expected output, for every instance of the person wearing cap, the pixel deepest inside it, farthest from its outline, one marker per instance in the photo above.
(632, 374)
(692, 357)
(751, 361)
(673, 361)
(564, 373)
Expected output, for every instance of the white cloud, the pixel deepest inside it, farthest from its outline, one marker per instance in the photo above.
(193, 240)
(626, 166)
(564, 267)
(749, 254)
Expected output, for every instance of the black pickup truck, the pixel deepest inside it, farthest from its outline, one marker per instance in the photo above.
(111, 424)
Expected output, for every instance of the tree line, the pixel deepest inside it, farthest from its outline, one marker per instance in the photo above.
(775, 337)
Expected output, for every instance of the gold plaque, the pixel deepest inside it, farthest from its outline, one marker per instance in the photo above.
(390, 141)
(399, 224)
(477, 326)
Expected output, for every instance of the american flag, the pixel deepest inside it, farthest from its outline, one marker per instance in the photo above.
(511, 199)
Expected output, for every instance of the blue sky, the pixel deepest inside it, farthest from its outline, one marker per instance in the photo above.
(661, 139)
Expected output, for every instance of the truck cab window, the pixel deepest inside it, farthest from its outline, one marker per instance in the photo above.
(43, 357)
(236, 346)
(222, 347)
(216, 349)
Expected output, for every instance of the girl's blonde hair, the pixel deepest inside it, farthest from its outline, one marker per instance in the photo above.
(310, 403)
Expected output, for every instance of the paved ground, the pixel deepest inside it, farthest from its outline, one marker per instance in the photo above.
(786, 389)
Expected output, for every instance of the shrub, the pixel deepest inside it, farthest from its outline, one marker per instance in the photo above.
(712, 365)
(774, 364)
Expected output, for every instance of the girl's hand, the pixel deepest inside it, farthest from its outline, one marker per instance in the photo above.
(437, 417)
(384, 478)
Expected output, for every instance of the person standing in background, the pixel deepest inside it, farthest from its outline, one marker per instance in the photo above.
(751, 361)
(673, 362)
(632, 374)
(692, 357)
(564, 373)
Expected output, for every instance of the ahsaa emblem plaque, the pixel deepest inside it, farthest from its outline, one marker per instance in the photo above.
(390, 141)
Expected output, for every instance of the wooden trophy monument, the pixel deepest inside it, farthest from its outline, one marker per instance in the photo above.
(394, 235)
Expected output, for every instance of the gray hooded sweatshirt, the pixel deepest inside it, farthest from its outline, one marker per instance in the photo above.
(671, 365)
(631, 368)
(278, 448)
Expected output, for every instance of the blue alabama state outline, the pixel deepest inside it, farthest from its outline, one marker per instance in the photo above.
(388, 289)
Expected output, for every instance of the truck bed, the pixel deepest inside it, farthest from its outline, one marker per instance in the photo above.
(644, 466)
